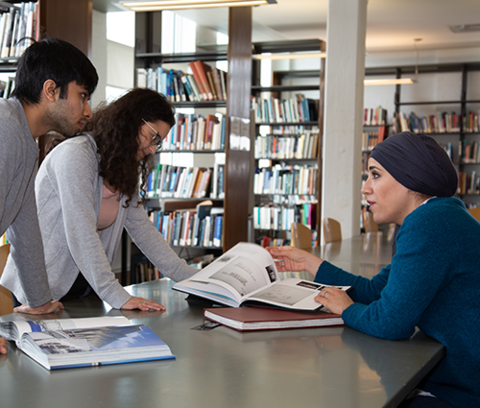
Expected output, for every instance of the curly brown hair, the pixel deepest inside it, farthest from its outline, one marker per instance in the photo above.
(115, 128)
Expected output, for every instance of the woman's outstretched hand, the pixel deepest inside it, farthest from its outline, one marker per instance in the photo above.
(3, 346)
(290, 259)
(142, 304)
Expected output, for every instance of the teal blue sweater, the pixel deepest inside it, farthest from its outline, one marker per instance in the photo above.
(433, 283)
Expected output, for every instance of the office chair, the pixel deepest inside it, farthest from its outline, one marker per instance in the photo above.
(368, 222)
(6, 301)
(301, 236)
(332, 230)
(475, 213)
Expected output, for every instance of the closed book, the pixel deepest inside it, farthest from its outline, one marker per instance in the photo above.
(68, 343)
(260, 318)
(198, 80)
(202, 69)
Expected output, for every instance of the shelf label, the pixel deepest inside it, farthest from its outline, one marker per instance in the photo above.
(239, 134)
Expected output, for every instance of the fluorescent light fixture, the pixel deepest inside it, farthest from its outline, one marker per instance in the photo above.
(188, 4)
(288, 56)
(389, 81)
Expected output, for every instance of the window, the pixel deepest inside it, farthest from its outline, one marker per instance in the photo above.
(121, 27)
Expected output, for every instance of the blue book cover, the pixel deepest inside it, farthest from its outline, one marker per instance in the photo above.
(159, 79)
(217, 231)
(94, 346)
(222, 138)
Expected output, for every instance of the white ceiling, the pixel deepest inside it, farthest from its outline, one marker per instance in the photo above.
(392, 25)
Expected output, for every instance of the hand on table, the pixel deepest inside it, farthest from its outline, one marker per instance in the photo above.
(142, 304)
(3, 346)
(334, 299)
(290, 259)
(48, 307)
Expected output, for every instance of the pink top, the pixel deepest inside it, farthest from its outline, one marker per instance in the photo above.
(108, 208)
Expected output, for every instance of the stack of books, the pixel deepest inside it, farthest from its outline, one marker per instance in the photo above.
(206, 83)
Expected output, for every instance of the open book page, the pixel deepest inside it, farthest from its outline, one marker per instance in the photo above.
(295, 294)
(242, 270)
(13, 330)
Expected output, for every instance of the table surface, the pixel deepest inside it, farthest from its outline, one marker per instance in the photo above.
(323, 367)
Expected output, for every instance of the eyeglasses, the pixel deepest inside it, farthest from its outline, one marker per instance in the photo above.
(156, 138)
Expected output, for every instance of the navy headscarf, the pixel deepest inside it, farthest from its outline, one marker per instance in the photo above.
(419, 163)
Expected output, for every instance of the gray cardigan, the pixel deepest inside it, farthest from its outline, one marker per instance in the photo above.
(69, 193)
(18, 211)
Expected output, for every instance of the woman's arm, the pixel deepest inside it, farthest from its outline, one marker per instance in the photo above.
(152, 244)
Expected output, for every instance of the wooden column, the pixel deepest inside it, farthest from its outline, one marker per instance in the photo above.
(68, 20)
(321, 114)
(238, 162)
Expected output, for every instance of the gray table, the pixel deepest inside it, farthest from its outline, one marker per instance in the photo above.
(327, 367)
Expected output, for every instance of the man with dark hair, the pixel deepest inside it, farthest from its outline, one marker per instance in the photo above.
(53, 84)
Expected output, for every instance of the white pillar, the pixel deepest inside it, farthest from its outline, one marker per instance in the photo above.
(344, 75)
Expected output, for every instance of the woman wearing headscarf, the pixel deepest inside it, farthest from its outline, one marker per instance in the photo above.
(433, 282)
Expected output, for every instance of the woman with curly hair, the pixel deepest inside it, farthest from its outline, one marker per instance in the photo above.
(87, 193)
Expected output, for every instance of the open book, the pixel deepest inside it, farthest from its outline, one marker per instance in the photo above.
(67, 343)
(246, 275)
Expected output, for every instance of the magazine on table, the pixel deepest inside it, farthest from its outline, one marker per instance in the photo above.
(68, 343)
(246, 275)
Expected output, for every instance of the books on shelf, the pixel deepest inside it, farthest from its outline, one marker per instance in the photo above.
(369, 141)
(198, 226)
(18, 27)
(440, 122)
(168, 181)
(246, 275)
(196, 132)
(471, 122)
(280, 218)
(286, 179)
(205, 84)
(6, 87)
(274, 110)
(299, 146)
(375, 116)
(469, 152)
(469, 183)
(260, 318)
(69, 343)
(142, 270)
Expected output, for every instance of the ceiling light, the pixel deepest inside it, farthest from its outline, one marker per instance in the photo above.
(465, 28)
(389, 81)
(188, 4)
(288, 56)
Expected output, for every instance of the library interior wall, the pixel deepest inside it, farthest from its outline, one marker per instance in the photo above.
(99, 56)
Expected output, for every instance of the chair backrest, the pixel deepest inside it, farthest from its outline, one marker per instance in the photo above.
(368, 223)
(332, 230)
(301, 236)
(475, 213)
(6, 301)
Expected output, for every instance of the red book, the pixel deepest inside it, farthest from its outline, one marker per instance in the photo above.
(202, 70)
(197, 78)
(259, 318)
(211, 119)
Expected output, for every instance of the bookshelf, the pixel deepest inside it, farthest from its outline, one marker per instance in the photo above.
(288, 159)
(68, 20)
(449, 113)
(234, 161)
